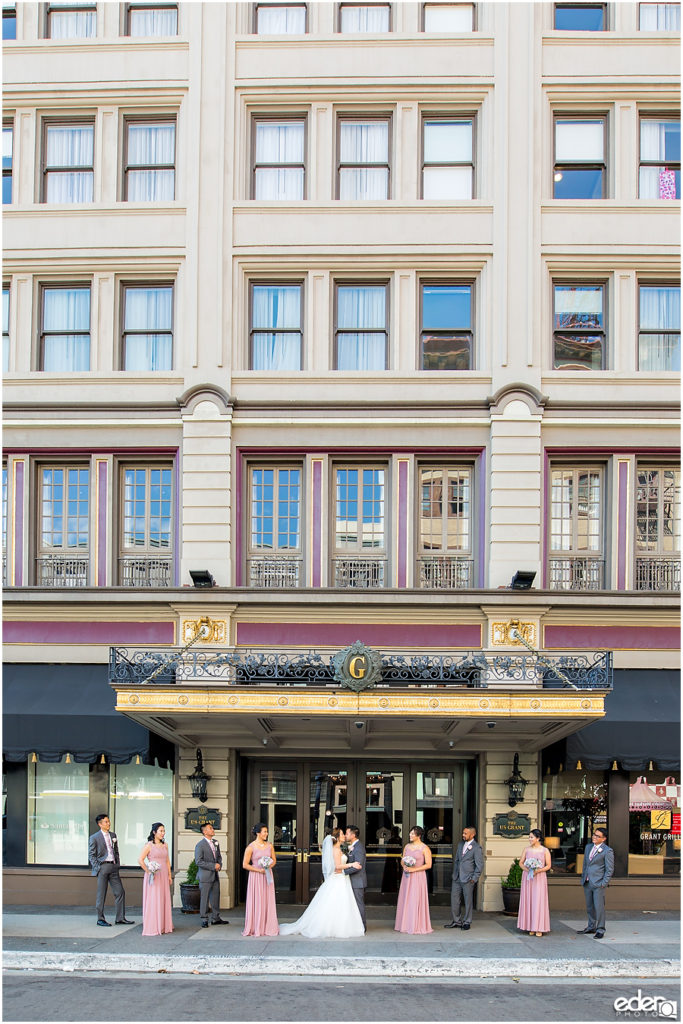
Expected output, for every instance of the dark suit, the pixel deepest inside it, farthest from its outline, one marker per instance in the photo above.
(209, 885)
(467, 867)
(359, 879)
(107, 873)
(595, 878)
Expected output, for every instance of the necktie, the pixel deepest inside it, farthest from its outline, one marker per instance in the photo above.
(110, 848)
(592, 854)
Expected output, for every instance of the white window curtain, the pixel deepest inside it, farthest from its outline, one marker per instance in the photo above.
(160, 22)
(5, 330)
(447, 142)
(374, 18)
(657, 182)
(449, 17)
(73, 24)
(660, 311)
(67, 311)
(360, 312)
(281, 21)
(69, 146)
(279, 142)
(148, 324)
(579, 141)
(660, 17)
(276, 320)
(150, 144)
(364, 142)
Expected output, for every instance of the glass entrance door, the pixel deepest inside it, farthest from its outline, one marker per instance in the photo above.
(383, 828)
(328, 808)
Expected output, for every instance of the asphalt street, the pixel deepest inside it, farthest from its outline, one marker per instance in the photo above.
(36, 996)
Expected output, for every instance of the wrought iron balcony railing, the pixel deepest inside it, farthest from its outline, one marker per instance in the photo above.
(359, 573)
(576, 573)
(275, 573)
(259, 667)
(62, 571)
(145, 571)
(658, 574)
(445, 572)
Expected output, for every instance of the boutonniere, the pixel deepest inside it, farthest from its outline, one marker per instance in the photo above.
(114, 839)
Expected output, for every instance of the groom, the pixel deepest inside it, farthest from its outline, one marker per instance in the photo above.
(356, 869)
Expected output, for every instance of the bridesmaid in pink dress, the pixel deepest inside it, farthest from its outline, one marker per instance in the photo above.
(157, 884)
(260, 916)
(412, 910)
(534, 913)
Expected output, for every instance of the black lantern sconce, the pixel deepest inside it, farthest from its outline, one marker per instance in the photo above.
(199, 779)
(516, 784)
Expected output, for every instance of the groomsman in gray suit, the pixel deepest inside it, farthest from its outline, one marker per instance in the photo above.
(598, 868)
(355, 868)
(103, 854)
(468, 865)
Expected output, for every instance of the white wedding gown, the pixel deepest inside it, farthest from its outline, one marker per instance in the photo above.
(333, 912)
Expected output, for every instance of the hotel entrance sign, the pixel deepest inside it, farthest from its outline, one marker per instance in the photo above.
(195, 817)
(511, 825)
(357, 667)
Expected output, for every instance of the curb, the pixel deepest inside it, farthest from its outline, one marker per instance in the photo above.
(390, 967)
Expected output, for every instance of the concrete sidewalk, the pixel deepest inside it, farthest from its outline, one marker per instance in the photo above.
(643, 945)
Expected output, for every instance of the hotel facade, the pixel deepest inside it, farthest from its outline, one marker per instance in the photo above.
(368, 317)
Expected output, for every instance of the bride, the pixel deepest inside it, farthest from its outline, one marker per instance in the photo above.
(333, 912)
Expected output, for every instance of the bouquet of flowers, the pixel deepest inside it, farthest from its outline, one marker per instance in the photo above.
(532, 864)
(152, 867)
(265, 862)
(409, 862)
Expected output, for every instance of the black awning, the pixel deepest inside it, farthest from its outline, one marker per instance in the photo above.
(642, 724)
(53, 710)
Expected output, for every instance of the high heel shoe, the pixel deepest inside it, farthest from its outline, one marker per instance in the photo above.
(532, 933)
(539, 935)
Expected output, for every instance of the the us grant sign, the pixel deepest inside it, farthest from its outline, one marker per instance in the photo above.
(511, 825)
(195, 817)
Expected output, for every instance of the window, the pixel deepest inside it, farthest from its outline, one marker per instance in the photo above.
(135, 790)
(152, 20)
(660, 158)
(280, 19)
(275, 507)
(9, 21)
(448, 17)
(581, 17)
(659, 335)
(660, 17)
(580, 169)
(574, 802)
(445, 527)
(65, 334)
(275, 336)
(576, 543)
(7, 146)
(364, 18)
(147, 327)
(359, 526)
(74, 20)
(658, 528)
(68, 164)
(654, 840)
(446, 342)
(5, 328)
(63, 542)
(579, 327)
(279, 159)
(448, 167)
(4, 524)
(150, 161)
(361, 336)
(363, 171)
(146, 535)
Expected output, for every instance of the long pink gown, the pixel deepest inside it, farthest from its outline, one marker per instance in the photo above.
(156, 898)
(412, 909)
(260, 916)
(534, 913)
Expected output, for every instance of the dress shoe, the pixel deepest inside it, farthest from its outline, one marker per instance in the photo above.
(205, 924)
(125, 921)
(220, 921)
(599, 935)
(453, 924)
(104, 924)
(586, 931)
(465, 927)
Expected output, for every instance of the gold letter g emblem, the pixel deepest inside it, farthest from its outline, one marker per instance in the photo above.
(358, 666)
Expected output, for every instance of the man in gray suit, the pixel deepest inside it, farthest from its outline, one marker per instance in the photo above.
(103, 854)
(208, 859)
(355, 867)
(468, 865)
(598, 868)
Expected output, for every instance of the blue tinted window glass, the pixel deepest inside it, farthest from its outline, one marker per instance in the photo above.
(580, 18)
(9, 25)
(578, 184)
(672, 142)
(7, 188)
(446, 307)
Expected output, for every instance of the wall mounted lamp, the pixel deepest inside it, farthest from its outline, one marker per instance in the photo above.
(516, 784)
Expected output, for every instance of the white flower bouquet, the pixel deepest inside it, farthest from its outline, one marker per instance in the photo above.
(152, 866)
(532, 864)
(265, 863)
(409, 861)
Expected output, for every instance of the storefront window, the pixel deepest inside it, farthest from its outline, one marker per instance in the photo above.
(58, 819)
(573, 803)
(140, 795)
(654, 807)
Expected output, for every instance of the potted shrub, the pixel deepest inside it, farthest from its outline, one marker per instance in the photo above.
(189, 890)
(512, 886)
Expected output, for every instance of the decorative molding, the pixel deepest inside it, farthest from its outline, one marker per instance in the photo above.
(501, 633)
(191, 398)
(217, 630)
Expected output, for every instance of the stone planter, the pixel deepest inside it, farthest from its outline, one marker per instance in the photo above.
(511, 901)
(189, 898)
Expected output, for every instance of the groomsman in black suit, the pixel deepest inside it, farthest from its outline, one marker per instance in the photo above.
(103, 854)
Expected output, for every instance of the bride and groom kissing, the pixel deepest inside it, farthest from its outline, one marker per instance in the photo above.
(337, 911)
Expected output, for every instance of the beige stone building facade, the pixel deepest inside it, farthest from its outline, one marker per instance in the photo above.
(361, 310)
